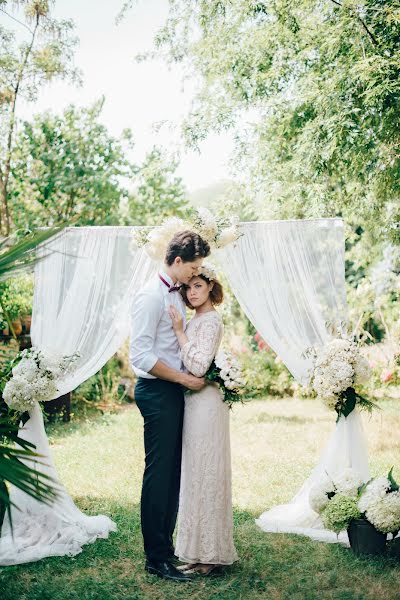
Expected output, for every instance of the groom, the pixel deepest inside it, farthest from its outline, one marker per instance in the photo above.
(155, 358)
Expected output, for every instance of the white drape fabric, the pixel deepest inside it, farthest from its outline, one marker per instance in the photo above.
(83, 291)
(288, 277)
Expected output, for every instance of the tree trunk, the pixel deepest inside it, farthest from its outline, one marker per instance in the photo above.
(5, 221)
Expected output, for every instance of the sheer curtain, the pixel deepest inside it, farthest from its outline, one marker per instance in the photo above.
(288, 277)
(83, 291)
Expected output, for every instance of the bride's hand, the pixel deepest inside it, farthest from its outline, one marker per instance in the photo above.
(176, 318)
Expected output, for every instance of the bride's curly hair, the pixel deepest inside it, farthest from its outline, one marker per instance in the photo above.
(216, 294)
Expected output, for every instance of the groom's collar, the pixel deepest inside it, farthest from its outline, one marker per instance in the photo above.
(166, 277)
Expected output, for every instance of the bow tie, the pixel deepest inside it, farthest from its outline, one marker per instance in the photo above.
(171, 288)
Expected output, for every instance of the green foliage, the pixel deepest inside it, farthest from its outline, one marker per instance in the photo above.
(68, 169)
(102, 390)
(374, 293)
(321, 80)
(159, 193)
(17, 296)
(265, 374)
(339, 511)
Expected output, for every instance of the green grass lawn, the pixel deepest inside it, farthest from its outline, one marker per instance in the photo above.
(275, 444)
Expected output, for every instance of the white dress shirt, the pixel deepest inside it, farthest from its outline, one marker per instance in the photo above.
(152, 334)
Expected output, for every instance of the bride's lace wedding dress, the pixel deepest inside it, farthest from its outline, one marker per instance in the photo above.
(205, 521)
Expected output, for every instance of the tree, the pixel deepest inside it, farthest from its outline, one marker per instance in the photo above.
(158, 191)
(320, 81)
(25, 66)
(69, 168)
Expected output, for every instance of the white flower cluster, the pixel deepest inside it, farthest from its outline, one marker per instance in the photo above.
(385, 513)
(375, 491)
(346, 482)
(339, 365)
(230, 371)
(218, 233)
(208, 271)
(157, 240)
(206, 224)
(34, 378)
(381, 505)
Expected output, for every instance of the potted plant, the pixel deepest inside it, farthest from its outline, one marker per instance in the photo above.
(367, 510)
(26, 320)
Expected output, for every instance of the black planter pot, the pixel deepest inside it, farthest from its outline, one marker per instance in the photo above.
(365, 539)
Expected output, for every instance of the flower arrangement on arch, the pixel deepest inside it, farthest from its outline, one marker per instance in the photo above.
(339, 368)
(217, 231)
(33, 377)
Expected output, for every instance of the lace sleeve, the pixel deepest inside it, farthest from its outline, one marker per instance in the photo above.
(197, 354)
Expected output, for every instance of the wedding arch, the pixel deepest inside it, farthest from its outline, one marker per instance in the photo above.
(288, 276)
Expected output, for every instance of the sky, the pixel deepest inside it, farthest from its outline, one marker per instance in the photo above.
(137, 95)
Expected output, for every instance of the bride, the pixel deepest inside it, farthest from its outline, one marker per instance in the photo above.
(205, 520)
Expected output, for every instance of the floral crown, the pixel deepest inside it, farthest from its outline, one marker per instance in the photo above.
(208, 272)
(218, 232)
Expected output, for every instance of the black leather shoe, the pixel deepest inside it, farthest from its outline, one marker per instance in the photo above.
(166, 570)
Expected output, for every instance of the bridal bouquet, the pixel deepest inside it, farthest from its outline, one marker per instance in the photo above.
(339, 367)
(345, 497)
(33, 377)
(225, 371)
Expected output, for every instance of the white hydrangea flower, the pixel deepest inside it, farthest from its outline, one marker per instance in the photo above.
(347, 482)
(34, 378)
(384, 514)
(375, 491)
(318, 495)
(26, 367)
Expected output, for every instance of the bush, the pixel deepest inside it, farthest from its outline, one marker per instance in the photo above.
(109, 388)
(17, 296)
(265, 373)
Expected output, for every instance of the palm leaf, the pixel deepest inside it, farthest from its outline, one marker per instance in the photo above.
(15, 467)
(21, 256)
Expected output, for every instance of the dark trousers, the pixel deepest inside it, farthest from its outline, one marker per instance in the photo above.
(161, 404)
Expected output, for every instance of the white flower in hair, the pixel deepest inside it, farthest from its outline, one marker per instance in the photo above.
(208, 271)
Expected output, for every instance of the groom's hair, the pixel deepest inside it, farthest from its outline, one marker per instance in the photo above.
(188, 245)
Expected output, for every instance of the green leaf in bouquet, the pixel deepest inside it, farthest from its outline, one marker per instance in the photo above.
(350, 403)
(363, 487)
(393, 484)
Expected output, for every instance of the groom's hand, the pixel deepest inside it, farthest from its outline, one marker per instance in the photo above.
(193, 383)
